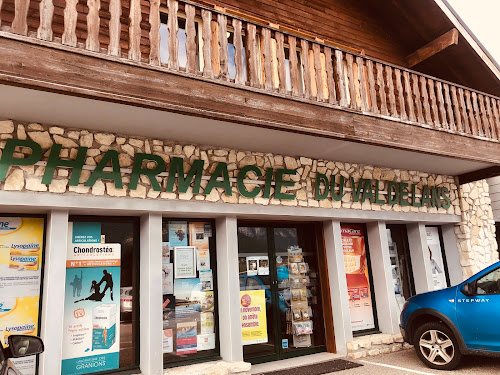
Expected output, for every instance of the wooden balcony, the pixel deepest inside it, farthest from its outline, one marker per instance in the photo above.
(179, 38)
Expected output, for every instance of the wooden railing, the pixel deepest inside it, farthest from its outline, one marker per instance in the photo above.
(183, 37)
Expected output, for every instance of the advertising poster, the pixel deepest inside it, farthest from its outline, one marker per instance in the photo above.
(263, 269)
(253, 316)
(177, 233)
(167, 278)
(203, 260)
(206, 279)
(168, 307)
(436, 258)
(197, 236)
(91, 340)
(207, 301)
(21, 242)
(252, 265)
(206, 342)
(188, 296)
(356, 269)
(207, 322)
(165, 252)
(168, 341)
(87, 233)
(185, 262)
(187, 341)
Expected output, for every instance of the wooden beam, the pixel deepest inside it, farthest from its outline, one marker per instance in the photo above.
(479, 175)
(437, 45)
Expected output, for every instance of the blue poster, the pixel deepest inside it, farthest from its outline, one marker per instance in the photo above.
(91, 341)
(86, 232)
(177, 233)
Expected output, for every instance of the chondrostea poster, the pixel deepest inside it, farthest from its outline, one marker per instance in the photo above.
(91, 341)
(356, 269)
(21, 242)
(436, 258)
(253, 316)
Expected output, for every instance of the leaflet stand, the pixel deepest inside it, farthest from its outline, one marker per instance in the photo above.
(299, 296)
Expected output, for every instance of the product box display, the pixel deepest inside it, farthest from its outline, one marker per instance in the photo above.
(103, 326)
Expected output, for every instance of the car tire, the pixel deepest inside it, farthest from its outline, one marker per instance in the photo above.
(437, 346)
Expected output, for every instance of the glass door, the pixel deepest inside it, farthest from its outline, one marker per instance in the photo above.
(257, 332)
(278, 265)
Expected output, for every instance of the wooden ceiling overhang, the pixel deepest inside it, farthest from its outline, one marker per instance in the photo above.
(416, 23)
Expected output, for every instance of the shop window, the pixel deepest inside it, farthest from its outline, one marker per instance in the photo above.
(359, 280)
(437, 257)
(22, 242)
(101, 305)
(189, 288)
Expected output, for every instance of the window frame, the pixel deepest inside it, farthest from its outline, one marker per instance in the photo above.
(212, 242)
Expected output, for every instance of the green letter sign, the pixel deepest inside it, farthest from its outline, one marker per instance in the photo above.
(8, 158)
(241, 184)
(150, 173)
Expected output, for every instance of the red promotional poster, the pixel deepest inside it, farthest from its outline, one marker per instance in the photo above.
(356, 269)
(186, 338)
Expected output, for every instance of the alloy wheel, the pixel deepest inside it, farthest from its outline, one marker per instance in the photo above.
(436, 347)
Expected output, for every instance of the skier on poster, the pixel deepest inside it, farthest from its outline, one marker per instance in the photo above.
(77, 284)
(108, 279)
(96, 294)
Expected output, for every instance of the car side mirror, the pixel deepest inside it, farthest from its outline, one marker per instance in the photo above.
(468, 289)
(23, 345)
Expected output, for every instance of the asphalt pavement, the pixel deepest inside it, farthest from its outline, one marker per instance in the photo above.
(407, 362)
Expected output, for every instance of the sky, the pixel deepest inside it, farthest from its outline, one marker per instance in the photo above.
(482, 18)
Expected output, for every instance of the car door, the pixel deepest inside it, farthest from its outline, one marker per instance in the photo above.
(478, 314)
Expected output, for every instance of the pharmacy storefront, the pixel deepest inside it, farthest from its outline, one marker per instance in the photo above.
(137, 255)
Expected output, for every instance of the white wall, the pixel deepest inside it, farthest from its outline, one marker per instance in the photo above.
(495, 196)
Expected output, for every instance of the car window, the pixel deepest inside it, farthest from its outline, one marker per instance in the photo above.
(490, 283)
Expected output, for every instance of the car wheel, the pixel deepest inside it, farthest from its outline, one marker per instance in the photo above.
(437, 346)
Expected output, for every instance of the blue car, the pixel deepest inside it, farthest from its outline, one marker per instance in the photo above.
(465, 319)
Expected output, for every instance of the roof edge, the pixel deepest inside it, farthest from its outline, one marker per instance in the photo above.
(469, 36)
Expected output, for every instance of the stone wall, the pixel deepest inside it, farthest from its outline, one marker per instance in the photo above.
(476, 233)
(372, 345)
(28, 178)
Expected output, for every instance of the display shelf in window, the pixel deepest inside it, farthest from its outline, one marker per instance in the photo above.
(189, 294)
